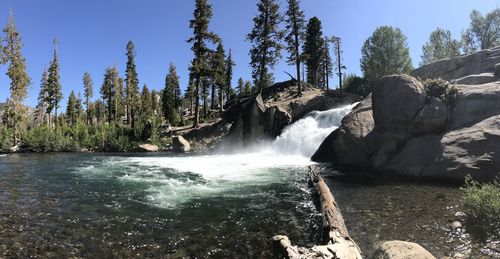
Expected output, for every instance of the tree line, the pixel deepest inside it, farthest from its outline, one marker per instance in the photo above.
(125, 114)
(386, 51)
(271, 33)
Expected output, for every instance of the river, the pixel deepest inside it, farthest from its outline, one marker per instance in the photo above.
(208, 206)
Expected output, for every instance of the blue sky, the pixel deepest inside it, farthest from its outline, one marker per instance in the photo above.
(92, 34)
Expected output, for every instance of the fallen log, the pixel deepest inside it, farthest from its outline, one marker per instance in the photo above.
(336, 242)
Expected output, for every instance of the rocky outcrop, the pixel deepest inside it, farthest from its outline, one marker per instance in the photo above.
(452, 155)
(179, 144)
(432, 117)
(390, 95)
(148, 148)
(406, 132)
(264, 116)
(480, 63)
(350, 145)
(249, 119)
(276, 119)
(400, 250)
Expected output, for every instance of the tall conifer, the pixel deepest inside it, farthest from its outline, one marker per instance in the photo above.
(295, 25)
(201, 36)
(266, 42)
(19, 79)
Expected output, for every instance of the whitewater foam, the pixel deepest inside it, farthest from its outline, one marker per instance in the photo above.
(171, 181)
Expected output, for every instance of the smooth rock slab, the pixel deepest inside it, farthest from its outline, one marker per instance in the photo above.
(401, 250)
(396, 100)
(148, 148)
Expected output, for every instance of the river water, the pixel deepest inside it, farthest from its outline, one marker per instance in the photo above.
(209, 206)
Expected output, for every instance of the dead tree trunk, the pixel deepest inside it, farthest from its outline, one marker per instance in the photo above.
(336, 241)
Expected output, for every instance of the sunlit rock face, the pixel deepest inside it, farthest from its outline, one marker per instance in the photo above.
(404, 132)
(264, 116)
(476, 68)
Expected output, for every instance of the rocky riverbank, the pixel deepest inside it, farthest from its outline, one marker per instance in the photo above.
(247, 120)
(400, 129)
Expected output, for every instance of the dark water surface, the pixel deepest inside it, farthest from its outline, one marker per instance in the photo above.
(116, 206)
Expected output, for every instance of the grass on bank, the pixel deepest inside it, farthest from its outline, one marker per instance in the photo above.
(482, 204)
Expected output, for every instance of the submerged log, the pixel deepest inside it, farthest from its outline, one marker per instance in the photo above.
(336, 241)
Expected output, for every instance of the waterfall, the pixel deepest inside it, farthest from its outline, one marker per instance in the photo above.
(306, 135)
(173, 180)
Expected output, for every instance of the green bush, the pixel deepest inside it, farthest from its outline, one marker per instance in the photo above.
(357, 85)
(482, 204)
(442, 90)
(5, 139)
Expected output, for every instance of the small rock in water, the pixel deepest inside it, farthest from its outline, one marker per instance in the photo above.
(455, 225)
(148, 148)
(180, 144)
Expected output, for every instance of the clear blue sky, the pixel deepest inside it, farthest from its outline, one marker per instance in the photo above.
(92, 34)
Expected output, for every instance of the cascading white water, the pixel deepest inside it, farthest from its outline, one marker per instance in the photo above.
(304, 136)
(174, 180)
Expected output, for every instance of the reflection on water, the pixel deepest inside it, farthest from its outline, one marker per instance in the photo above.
(118, 206)
(94, 209)
(390, 209)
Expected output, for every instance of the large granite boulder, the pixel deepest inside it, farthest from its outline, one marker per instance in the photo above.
(350, 144)
(420, 136)
(249, 121)
(400, 250)
(277, 118)
(397, 100)
(432, 117)
(452, 155)
(475, 103)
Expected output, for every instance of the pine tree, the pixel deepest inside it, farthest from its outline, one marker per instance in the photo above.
(248, 87)
(146, 104)
(337, 41)
(118, 109)
(54, 85)
(156, 104)
(204, 95)
(189, 93)
(201, 35)
(177, 97)
(313, 51)
(483, 31)
(79, 108)
(71, 109)
(326, 69)
(19, 79)
(295, 25)
(108, 91)
(100, 111)
(131, 85)
(88, 87)
(229, 76)
(168, 100)
(41, 107)
(219, 76)
(266, 46)
(240, 88)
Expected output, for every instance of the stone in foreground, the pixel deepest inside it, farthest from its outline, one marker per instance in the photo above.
(180, 144)
(401, 250)
(148, 148)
